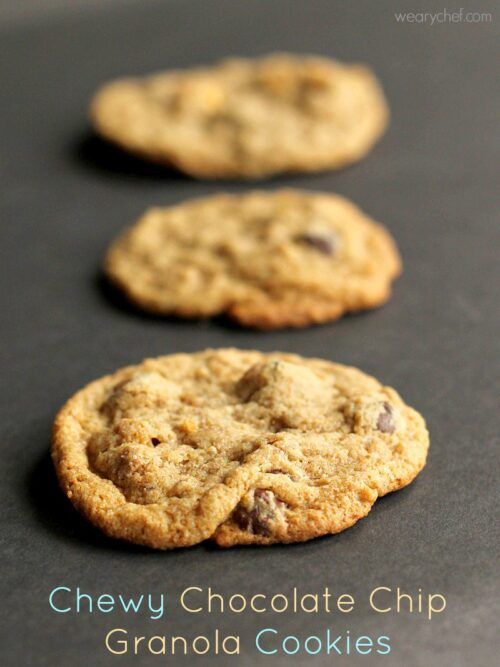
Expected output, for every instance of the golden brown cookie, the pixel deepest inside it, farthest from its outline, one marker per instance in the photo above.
(235, 446)
(267, 260)
(246, 118)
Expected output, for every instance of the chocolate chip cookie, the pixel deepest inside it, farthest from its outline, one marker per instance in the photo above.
(235, 446)
(246, 118)
(267, 260)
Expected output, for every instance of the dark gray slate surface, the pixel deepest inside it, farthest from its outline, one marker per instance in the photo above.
(64, 196)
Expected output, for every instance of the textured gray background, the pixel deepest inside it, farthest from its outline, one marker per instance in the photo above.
(64, 196)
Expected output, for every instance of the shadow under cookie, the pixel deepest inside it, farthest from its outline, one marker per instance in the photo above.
(115, 297)
(96, 154)
(56, 514)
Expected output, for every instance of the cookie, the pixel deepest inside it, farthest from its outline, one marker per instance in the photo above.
(235, 446)
(267, 260)
(246, 118)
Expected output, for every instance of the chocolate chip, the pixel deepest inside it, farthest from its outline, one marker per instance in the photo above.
(267, 509)
(155, 441)
(385, 422)
(323, 242)
(243, 518)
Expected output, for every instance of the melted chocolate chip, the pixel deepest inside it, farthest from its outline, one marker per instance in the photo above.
(243, 518)
(155, 441)
(385, 422)
(323, 242)
(267, 508)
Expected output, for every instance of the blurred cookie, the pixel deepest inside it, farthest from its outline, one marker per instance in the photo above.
(246, 118)
(236, 446)
(267, 259)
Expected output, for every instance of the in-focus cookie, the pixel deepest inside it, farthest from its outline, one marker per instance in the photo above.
(268, 260)
(235, 446)
(246, 118)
